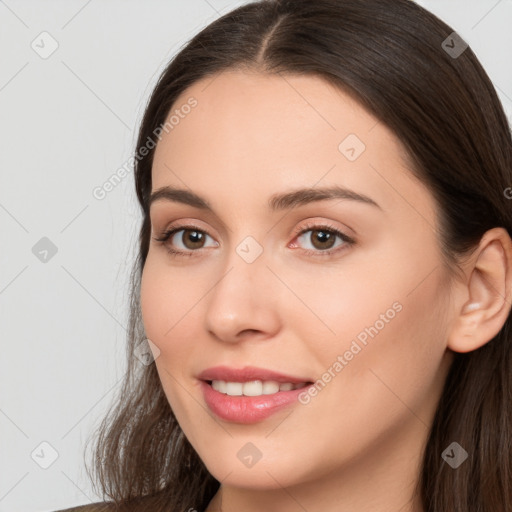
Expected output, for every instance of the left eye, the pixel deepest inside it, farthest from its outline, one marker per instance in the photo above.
(323, 238)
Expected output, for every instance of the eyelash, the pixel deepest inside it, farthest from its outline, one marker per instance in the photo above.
(349, 241)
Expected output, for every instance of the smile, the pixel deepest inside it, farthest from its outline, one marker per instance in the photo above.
(241, 408)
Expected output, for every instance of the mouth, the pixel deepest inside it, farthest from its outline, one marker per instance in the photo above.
(249, 394)
(254, 387)
(250, 401)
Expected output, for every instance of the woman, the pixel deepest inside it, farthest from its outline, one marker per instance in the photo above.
(325, 272)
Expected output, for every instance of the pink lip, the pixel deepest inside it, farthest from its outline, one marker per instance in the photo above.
(247, 409)
(246, 374)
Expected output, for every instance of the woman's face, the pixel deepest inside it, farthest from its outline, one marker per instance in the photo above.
(364, 320)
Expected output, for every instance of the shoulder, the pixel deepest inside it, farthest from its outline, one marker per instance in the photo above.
(92, 507)
(141, 504)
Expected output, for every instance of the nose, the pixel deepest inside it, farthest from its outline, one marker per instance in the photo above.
(244, 301)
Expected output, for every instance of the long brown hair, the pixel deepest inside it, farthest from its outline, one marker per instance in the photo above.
(391, 56)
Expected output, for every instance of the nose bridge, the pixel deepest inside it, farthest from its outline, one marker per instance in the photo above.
(245, 267)
(241, 298)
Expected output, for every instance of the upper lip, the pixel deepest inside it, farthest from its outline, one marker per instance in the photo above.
(247, 373)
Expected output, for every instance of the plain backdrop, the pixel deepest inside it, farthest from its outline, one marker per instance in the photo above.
(75, 76)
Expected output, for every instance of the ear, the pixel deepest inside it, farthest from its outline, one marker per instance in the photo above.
(483, 315)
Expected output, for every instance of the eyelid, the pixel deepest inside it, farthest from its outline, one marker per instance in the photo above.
(318, 223)
(183, 224)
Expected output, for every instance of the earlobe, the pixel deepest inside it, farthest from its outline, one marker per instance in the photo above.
(489, 287)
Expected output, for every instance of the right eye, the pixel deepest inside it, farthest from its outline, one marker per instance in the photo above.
(191, 235)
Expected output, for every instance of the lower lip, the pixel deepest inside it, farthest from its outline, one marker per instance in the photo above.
(248, 409)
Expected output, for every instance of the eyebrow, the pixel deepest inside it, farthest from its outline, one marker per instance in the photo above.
(276, 202)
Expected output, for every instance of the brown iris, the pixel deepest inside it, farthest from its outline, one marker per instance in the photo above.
(324, 237)
(196, 238)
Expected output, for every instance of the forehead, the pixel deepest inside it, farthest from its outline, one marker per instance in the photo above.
(258, 134)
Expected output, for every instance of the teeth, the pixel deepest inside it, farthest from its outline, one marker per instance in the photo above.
(254, 387)
(270, 387)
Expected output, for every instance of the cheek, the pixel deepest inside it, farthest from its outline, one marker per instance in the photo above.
(343, 306)
(397, 368)
(391, 326)
(168, 298)
(152, 302)
(160, 303)
(167, 316)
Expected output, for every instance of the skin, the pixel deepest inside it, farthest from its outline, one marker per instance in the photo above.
(357, 444)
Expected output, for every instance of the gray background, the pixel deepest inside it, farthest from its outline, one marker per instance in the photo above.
(68, 121)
